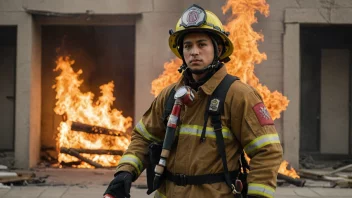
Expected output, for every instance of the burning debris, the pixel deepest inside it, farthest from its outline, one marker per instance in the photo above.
(291, 180)
(286, 169)
(286, 174)
(105, 130)
(77, 126)
(289, 174)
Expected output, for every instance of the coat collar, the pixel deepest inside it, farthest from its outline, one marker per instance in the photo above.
(209, 86)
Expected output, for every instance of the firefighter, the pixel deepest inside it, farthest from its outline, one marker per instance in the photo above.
(203, 45)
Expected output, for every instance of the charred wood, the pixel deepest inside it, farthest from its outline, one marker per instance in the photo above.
(74, 153)
(70, 164)
(99, 152)
(291, 180)
(45, 156)
(77, 126)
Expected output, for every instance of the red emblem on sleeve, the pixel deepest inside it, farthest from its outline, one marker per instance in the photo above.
(263, 114)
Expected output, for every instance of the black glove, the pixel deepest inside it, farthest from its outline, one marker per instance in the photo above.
(120, 186)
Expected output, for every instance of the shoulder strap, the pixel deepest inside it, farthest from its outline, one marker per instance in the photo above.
(220, 94)
(168, 105)
(215, 109)
(217, 100)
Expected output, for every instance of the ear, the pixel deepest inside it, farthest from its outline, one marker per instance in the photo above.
(220, 48)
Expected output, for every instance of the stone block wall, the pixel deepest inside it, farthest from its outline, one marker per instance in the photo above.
(153, 19)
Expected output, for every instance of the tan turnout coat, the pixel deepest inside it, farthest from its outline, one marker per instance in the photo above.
(247, 125)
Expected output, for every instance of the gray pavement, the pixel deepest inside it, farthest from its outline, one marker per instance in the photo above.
(91, 183)
(96, 191)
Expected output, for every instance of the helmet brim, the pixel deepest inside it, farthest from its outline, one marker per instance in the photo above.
(174, 40)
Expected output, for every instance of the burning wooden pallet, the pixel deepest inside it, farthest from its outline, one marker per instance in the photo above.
(86, 128)
(81, 127)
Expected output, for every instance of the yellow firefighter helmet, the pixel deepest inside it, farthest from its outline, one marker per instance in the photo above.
(196, 19)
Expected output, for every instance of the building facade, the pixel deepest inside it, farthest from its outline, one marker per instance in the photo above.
(306, 42)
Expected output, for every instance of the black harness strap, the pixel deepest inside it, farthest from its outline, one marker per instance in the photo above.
(216, 109)
(206, 116)
(183, 180)
(169, 105)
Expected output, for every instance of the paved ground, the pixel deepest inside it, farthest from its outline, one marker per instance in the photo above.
(96, 191)
(80, 183)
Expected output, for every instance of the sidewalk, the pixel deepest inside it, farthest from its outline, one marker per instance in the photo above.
(91, 183)
(97, 191)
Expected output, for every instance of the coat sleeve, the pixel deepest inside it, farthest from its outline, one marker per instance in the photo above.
(149, 129)
(255, 130)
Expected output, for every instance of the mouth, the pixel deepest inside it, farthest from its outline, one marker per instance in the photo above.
(196, 61)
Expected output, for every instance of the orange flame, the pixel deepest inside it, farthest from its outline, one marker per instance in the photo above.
(79, 107)
(169, 76)
(286, 169)
(245, 54)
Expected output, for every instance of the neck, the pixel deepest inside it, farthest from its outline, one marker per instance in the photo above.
(197, 77)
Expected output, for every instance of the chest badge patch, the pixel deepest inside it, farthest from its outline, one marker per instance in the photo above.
(263, 114)
(214, 105)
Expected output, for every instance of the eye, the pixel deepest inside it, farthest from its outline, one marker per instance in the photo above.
(202, 44)
(186, 46)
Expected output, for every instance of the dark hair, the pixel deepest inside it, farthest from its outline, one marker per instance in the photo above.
(212, 36)
(216, 37)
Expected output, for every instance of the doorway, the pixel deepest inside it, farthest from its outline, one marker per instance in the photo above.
(103, 53)
(325, 111)
(7, 86)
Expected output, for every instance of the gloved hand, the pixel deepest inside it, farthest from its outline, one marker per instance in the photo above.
(120, 186)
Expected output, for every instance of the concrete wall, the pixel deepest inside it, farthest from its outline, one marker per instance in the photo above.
(305, 12)
(27, 121)
(335, 96)
(78, 6)
(153, 19)
(35, 97)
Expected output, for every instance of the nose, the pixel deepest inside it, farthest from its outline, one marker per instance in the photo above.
(194, 51)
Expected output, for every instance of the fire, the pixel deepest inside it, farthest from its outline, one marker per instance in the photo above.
(79, 107)
(245, 54)
(243, 59)
(286, 169)
(169, 76)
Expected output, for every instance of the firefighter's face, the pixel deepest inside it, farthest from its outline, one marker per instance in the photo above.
(198, 50)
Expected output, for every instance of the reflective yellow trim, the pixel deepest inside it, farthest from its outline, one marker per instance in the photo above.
(133, 160)
(140, 128)
(260, 189)
(196, 130)
(159, 195)
(260, 142)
